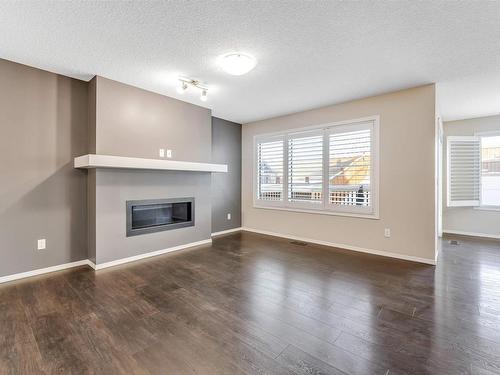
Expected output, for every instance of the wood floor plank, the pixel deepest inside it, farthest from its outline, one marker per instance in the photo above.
(302, 363)
(59, 348)
(19, 352)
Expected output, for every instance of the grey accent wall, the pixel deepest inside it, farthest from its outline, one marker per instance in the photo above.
(92, 108)
(137, 123)
(91, 215)
(115, 187)
(91, 177)
(226, 187)
(467, 219)
(43, 118)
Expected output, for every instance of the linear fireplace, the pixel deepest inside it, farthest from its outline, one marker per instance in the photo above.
(156, 215)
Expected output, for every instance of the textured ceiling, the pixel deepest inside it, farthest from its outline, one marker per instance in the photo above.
(310, 53)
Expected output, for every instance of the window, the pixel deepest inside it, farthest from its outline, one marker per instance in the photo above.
(330, 169)
(474, 171)
(490, 170)
(305, 168)
(464, 155)
(270, 170)
(350, 166)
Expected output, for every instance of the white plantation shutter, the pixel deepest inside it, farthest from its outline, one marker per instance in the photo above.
(330, 169)
(305, 167)
(464, 171)
(350, 166)
(270, 169)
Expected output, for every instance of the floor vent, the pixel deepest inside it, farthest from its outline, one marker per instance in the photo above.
(298, 243)
(454, 242)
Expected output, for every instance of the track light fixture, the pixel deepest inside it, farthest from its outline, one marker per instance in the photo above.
(185, 82)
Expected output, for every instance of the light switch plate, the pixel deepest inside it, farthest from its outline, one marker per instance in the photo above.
(41, 244)
(229, 216)
(169, 153)
(162, 152)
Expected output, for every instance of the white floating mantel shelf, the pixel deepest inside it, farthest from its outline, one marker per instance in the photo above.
(91, 161)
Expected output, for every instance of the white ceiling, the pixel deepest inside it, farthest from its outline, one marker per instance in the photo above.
(310, 53)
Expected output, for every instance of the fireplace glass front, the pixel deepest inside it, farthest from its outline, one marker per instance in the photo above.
(148, 216)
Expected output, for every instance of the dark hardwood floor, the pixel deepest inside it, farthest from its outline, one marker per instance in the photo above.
(255, 304)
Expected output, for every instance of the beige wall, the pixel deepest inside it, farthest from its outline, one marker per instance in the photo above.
(137, 123)
(407, 177)
(43, 119)
(468, 219)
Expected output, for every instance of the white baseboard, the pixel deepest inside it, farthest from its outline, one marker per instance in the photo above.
(87, 262)
(226, 231)
(344, 246)
(147, 255)
(41, 271)
(472, 234)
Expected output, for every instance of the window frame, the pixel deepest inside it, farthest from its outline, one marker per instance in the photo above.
(481, 135)
(323, 208)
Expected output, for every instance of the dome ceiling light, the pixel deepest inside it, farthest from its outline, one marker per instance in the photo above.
(237, 63)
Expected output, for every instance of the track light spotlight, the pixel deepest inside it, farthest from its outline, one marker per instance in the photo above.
(182, 87)
(204, 96)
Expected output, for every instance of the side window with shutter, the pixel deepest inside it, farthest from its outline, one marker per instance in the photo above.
(464, 171)
(270, 169)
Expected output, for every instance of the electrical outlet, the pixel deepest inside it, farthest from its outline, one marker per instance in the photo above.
(387, 232)
(162, 152)
(169, 154)
(229, 216)
(41, 245)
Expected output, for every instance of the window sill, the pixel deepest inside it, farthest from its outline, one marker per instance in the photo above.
(487, 208)
(319, 212)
